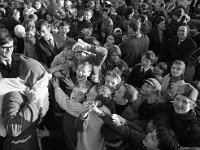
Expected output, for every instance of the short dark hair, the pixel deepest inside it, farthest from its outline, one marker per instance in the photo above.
(130, 93)
(103, 94)
(134, 25)
(5, 36)
(150, 55)
(40, 24)
(167, 139)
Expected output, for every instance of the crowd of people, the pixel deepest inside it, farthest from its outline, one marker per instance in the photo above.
(99, 75)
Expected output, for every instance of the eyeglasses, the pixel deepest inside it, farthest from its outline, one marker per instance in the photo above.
(7, 48)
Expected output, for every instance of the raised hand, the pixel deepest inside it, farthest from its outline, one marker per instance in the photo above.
(55, 82)
(118, 120)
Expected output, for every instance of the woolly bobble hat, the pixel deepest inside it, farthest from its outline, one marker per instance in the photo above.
(154, 83)
(117, 29)
(19, 31)
(114, 49)
(188, 91)
(31, 71)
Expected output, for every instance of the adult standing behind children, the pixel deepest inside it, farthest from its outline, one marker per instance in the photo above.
(45, 46)
(134, 45)
(25, 101)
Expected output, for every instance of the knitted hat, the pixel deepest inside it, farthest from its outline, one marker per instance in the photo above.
(117, 29)
(19, 31)
(154, 83)
(31, 71)
(188, 91)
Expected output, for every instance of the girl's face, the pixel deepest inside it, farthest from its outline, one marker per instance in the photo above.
(114, 57)
(177, 70)
(30, 34)
(145, 62)
(161, 25)
(38, 5)
(111, 82)
(182, 104)
(49, 18)
(110, 39)
(82, 73)
(158, 70)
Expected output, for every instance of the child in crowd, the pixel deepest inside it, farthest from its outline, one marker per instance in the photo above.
(159, 139)
(114, 61)
(73, 105)
(110, 40)
(65, 58)
(106, 24)
(173, 80)
(118, 35)
(131, 112)
(160, 71)
(142, 71)
(62, 35)
(183, 118)
(122, 97)
(29, 42)
(90, 137)
(28, 10)
(112, 80)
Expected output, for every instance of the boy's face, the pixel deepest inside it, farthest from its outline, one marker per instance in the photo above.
(118, 96)
(182, 104)
(176, 70)
(82, 73)
(45, 33)
(105, 15)
(88, 15)
(145, 62)
(146, 88)
(111, 82)
(151, 142)
(6, 50)
(91, 95)
(114, 57)
(65, 29)
(77, 94)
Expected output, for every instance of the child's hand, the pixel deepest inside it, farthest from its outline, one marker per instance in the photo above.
(69, 82)
(56, 68)
(118, 120)
(55, 82)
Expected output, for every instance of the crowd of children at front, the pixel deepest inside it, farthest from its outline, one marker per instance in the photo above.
(109, 90)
